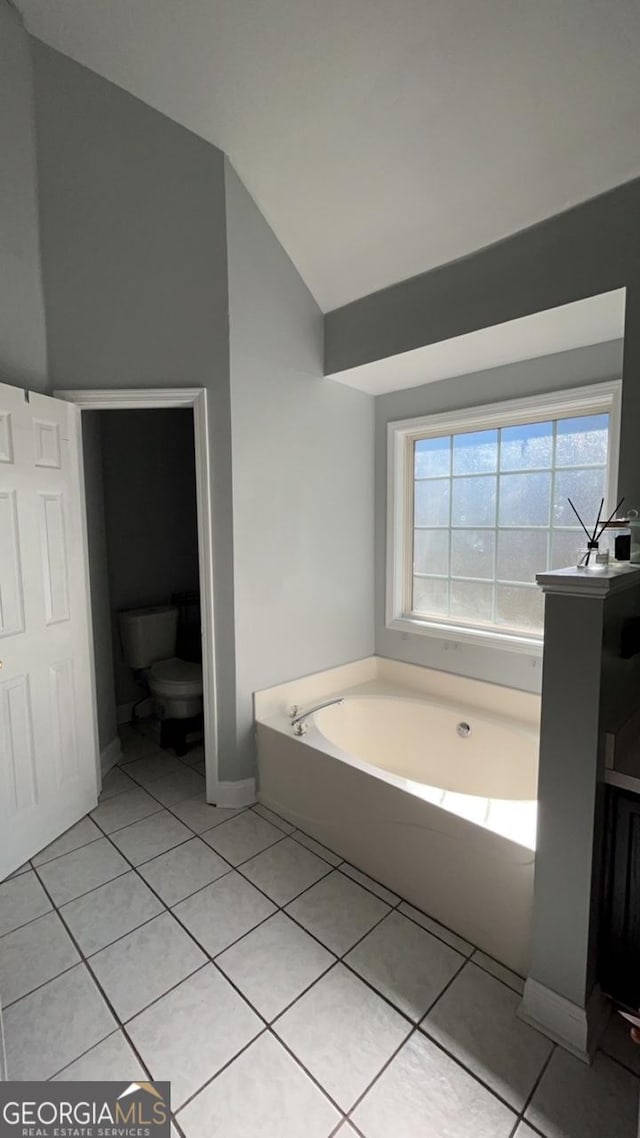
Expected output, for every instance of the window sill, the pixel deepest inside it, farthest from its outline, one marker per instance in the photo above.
(481, 637)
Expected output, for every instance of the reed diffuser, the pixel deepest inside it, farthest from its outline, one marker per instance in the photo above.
(592, 558)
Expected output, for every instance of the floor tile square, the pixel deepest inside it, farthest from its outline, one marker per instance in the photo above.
(17, 872)
(115, 782)
(194, 756)
(177, 787)
(424, 1093)
(145, 964)
(191, 1033)
(33, 954)
(574, 1100)
(114, 1058)
(123, 809)
(199, 816)
(81, 834)
(274, 818)
(405, 963)
(346, 1131)
(380, 890)
(22, 899)
(100, 917)
(617, 1043)
(337, 911)
(134, 744)
(275, 963)
(343, 1033)
(284, 870)
(499, 971)
(46, 1030)
(476, 1021)
(525, 1131)
(224, 911)
(81, 870)
(150, 837)
(242, 837)
(443, 933)
(153, 767)
(179, 872)
(317, 847)
(262, 1094)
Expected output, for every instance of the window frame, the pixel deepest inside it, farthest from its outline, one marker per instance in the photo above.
(596, 398)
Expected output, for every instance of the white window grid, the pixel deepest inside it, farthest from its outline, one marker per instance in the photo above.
(496, 528)
(600, 398)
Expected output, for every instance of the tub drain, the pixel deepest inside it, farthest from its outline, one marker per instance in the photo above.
(464, 730)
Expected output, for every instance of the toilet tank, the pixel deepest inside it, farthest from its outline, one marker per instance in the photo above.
(148, 635)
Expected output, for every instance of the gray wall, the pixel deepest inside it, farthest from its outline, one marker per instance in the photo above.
(587, 250)
(530, 377)
(135, 277)
(100, 601)
(23, 353)
(302, 476)
(150, 515)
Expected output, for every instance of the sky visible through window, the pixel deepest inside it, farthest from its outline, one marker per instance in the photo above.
(490, 511)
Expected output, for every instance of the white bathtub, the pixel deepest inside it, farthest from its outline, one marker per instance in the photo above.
(448, 822)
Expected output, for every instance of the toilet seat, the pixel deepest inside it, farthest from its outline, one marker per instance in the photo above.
(176, 679)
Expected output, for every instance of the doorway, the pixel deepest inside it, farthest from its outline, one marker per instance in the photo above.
(193, 402)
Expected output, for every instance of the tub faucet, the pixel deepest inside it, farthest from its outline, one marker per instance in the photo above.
(298, 718)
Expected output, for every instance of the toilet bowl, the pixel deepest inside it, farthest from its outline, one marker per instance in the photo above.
(176, 688)
(148, 642)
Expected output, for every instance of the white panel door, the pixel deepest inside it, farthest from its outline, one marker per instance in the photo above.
(48, 739)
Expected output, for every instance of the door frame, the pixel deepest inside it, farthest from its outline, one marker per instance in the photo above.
(155, 398)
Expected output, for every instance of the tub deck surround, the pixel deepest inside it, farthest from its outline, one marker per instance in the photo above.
(451, 828)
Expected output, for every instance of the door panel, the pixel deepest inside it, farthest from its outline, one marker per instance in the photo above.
(48, 739)
(11, 599)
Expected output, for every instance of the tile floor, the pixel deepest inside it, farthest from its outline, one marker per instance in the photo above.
(281, 991)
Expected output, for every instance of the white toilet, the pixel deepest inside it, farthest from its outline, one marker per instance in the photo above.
(149, 642)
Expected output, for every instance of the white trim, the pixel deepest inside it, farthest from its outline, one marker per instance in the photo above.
(510, 412)
(196, 398)
(604, 397)
(510, 642)
(75, 444)
(574, 1028)
(236, 794)
(132, 399)
(586, 583)
(110, 755)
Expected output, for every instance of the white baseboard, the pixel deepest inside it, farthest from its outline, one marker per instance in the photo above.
(574, 1028)
(109, 755)
(234, 794)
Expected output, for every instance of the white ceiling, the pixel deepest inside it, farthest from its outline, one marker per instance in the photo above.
(595, 320)
(382, 138)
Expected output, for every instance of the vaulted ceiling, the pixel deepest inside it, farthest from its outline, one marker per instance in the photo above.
(382, 137)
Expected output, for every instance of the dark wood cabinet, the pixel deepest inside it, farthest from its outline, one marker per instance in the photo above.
(619, 955)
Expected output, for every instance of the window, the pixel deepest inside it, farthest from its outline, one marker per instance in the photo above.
(478, 505)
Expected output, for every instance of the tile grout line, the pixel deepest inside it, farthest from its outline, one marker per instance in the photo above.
(417, 1026)
(242, 995)
(337, 960)
(107, 1001)
(532, 1092)
(281, 908)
